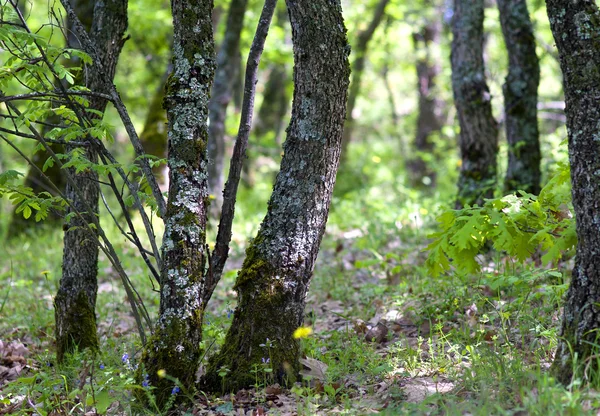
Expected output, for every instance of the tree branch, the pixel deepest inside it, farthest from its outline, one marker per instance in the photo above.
(221, 251)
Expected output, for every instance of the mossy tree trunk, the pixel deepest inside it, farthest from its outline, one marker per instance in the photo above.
(478, 129)
(430, 119)
(175, 344)
(222, 92)
(359, 51)
(75, 301)
(53, 174)
(575, 25)
(520, 98)
(276, 273)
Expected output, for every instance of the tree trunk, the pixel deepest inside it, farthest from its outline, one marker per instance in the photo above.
(575, 25)
(175, 344)
(76, 298)
(430, 119)
(520, 98)
(478, 128)
(221, 95)
(276, 273)
(358, 66)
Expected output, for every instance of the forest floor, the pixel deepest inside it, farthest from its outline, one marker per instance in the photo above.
(387, 338)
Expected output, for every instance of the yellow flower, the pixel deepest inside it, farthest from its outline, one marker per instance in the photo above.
(161, 373)
(302, 332)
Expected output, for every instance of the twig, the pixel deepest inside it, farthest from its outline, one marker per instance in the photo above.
(90, 49)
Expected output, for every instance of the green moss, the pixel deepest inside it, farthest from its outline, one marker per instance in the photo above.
(161, 353)
(263, 312)
(79, 325)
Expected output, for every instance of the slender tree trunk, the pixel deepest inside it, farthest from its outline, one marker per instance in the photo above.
(276, 273)
(430, 119)
(358, 66)
(221, 95)
(76, 298)
(478, 128)
(175, 343)
(520, 98)
(575, 25)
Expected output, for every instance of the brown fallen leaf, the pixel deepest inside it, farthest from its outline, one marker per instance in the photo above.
(377, 334)
(313, 368)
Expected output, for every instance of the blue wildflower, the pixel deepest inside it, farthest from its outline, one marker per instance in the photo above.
(175, 390)
(101, 366)
(125, 357)
(146, 381)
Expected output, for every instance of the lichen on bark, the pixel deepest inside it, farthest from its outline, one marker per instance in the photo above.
(175, 344)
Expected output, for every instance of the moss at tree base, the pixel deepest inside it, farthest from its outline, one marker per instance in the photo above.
(75, 324)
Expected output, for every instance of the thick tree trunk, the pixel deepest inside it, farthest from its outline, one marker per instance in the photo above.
(175, 344)
(575, 25)
(430, 119)
(520, 98)
(358, 65)
(276, 273)
(76, 298)
(478, 128)
(221, 95)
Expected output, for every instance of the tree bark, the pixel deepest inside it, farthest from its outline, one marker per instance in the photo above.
(276, 273)
(478, 129)
(575, 25)
(221, 95)
(175, 344)
(358, 66)
(430, 119)
(76, 298)
(520, 98)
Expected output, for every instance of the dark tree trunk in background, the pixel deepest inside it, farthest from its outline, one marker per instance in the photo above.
(275, 103)
(271, 115)
(274, 107)
(430, 119)
(276, 273)
(359, 50)
(478, 128)
(154, 135)
(175, 343)
(33, 179)
(575, 25)
(221, 94)
(76, 298)
(520, 98)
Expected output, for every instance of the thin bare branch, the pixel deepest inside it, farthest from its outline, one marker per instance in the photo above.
(221, 252)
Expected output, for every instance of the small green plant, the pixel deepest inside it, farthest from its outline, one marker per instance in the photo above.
(517, 225)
